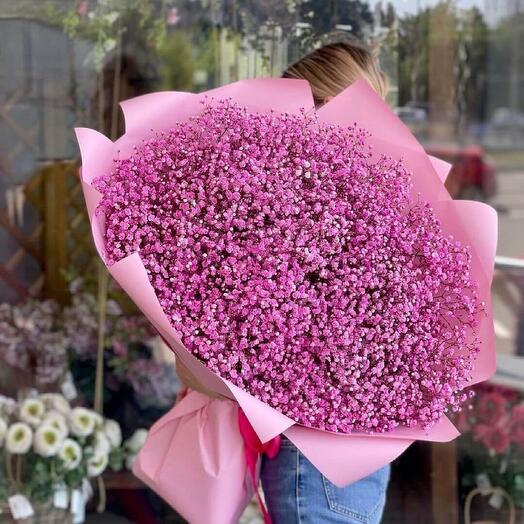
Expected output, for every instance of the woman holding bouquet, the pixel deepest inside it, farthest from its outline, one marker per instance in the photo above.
(295, 491)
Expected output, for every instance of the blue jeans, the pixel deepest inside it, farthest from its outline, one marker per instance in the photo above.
(297, 493)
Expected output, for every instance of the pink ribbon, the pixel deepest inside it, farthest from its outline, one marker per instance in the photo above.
(253, 448)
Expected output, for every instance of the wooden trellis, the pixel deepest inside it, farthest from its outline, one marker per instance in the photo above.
(60, 239)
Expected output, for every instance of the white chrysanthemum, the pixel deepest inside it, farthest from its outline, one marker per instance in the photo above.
(70, 453)
(54, 401)
(3, 430)
(81, 422)
(101, 442)
(130, 460)
(99, 420)
(32, 411)
(113, 432)
(58, 421)
(97, 464)
(136, 441)
(7, 405)
(19, 438)
(48, 440)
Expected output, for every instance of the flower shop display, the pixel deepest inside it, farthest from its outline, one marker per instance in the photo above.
(134, 372)
(43, 342)
(492, 446)
(51, 452)
(32, 340)
(309, 266)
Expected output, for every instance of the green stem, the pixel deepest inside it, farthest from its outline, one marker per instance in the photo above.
(9, 468)
(103, 282)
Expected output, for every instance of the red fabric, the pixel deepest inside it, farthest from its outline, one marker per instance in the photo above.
(253, 448)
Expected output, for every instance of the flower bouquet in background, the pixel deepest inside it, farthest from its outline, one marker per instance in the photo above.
(492, 445)
(308, 266)
(33, 346)
(51, 453)
(41, 342)
(140, 382)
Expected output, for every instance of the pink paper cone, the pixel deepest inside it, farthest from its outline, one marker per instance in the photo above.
(341, 458)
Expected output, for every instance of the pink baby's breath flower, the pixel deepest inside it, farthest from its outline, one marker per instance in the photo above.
(299, 267)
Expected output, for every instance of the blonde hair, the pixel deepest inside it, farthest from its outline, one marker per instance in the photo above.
(333, 67)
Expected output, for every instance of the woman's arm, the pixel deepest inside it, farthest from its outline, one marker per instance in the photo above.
(190, 381)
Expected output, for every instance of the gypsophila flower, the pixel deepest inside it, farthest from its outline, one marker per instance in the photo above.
(81, 422)
(30, 335)
(19, 438)
(80, 324)
(97, 463)
(155, 384)
(32, 411)
(273, 240)
(47, 440)
(70, 453)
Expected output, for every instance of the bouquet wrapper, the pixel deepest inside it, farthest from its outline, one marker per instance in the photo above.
(342, 458)
(194, 458)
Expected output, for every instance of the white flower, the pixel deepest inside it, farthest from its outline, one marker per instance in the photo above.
(3, 430)
(56, 402)
(81, 422)
(113, 433)
(130, 460)
(99, 420)
(135, 442)
(32, 411)
(48, 440)
(101, 442)
(19, 438)
(70, 453)
(97, 464)
(7, 405)
(113, 308)
(58, 421)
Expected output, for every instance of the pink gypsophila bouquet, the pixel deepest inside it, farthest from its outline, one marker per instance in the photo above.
(307, 264)
(298, 267)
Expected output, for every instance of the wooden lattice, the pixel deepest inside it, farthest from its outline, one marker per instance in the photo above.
(60, 239)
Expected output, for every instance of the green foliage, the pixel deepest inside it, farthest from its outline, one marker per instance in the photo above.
(106, 23)
(117, 458)
(506, 63)
(503, 470)
(470, 38)
(413, 66)
(178, 62)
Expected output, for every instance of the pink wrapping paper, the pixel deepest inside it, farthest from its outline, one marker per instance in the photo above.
(203, 455)
(343, 459)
